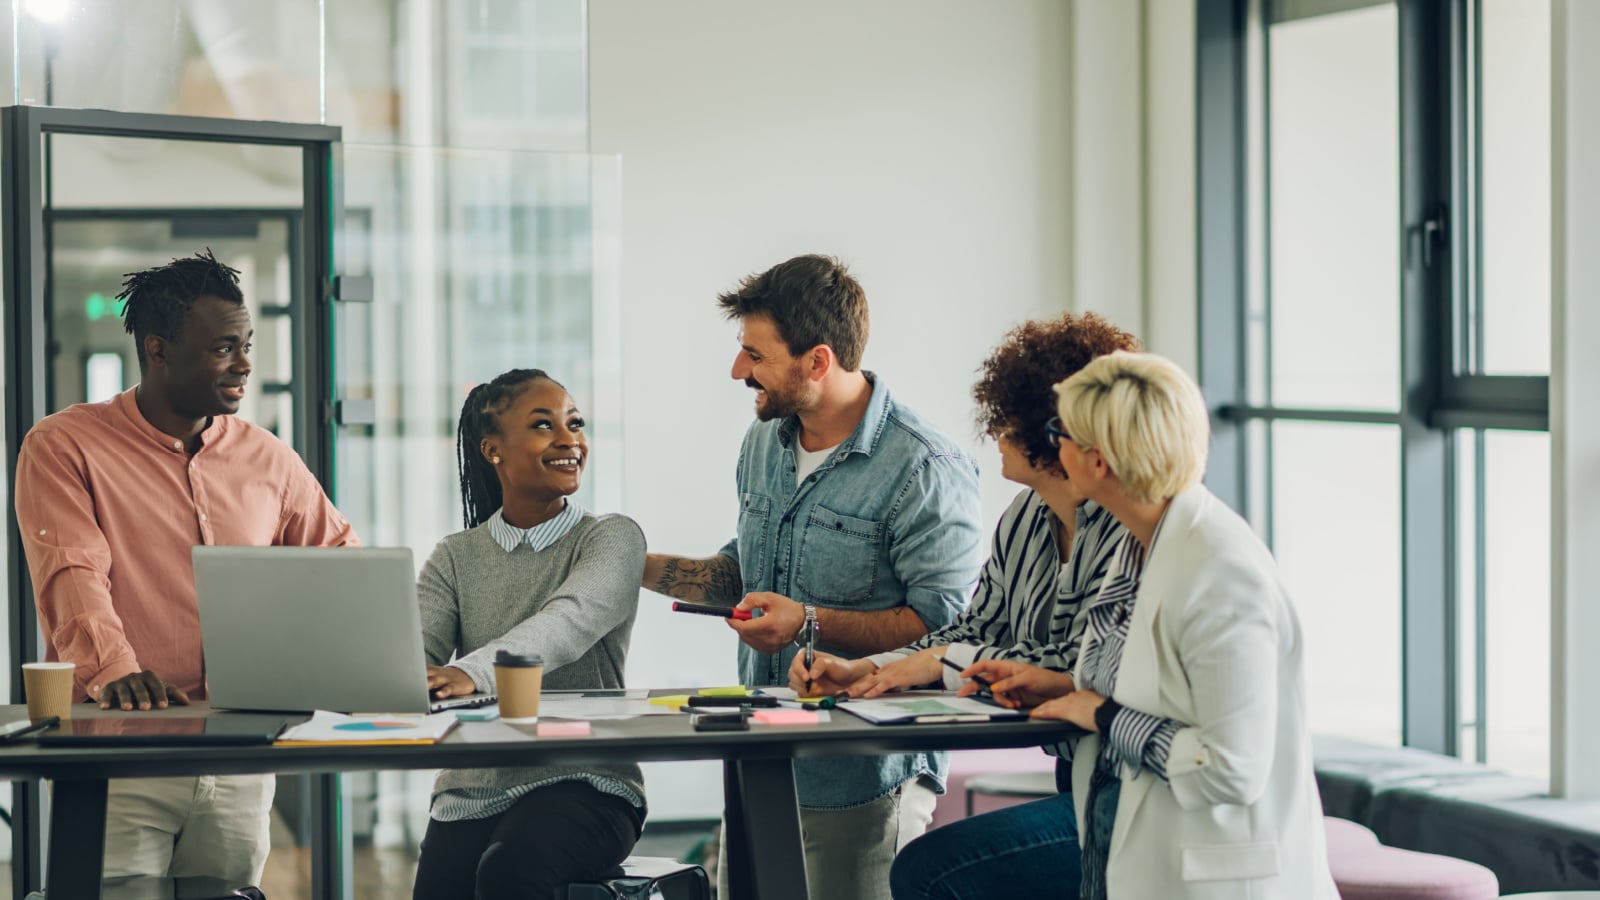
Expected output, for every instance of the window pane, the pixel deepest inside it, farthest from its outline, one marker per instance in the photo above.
(1515, 142)
(231, 59)
(1333, 210)
(1336, 535)
(1516, 505)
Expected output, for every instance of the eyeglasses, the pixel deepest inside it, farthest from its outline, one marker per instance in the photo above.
(1053, 432)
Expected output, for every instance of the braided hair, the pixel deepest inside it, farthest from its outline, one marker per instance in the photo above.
(156, 301)
(480, 484)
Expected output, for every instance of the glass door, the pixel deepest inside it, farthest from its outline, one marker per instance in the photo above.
(91, 195)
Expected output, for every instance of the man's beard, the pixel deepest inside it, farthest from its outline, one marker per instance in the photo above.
(779, 404)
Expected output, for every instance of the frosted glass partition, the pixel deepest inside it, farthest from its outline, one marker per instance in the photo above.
(482, 261)
(507, 74)
(232, 59)
(487, 73)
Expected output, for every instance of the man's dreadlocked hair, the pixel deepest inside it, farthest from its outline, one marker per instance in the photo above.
(159, 299)
(480, 486)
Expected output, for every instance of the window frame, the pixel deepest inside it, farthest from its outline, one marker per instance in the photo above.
(1438, 225)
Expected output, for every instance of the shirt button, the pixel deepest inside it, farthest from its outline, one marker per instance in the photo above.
(177, 445)
(202, 517)
(41, 532)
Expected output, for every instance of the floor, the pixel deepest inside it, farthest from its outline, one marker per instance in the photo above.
(385, 873)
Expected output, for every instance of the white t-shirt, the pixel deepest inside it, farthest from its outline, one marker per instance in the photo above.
(806, 461)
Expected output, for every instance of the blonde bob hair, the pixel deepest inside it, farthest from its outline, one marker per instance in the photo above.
(1145, 416)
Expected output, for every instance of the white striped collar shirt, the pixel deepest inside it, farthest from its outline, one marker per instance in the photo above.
(539, 536)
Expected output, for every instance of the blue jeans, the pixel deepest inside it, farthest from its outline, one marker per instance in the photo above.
(1029, 850)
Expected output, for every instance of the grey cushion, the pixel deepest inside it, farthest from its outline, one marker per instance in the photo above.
(1436, 804)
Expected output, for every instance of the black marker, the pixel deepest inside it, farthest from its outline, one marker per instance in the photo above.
(24, 727)
(982, 683)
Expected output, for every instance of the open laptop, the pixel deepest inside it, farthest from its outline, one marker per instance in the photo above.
(304, 628)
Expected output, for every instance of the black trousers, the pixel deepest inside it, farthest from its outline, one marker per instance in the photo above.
(549, 838)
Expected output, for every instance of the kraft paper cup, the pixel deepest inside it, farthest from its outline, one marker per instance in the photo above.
(48, 686)
(518, 680)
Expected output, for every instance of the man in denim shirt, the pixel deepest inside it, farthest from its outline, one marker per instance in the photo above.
(856, 515)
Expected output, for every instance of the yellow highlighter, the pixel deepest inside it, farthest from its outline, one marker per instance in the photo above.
(737, 690)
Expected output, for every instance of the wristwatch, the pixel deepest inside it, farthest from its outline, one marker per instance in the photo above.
(1104, 714)
(808, 626)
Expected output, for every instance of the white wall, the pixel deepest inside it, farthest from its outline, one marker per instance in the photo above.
(923, 141)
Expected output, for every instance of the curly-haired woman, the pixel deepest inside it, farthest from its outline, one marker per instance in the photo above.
(1050, 552)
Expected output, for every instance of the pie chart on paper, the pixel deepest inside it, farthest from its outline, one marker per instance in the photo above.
(373, 725)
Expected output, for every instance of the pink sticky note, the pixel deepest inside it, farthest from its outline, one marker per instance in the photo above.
(562, 729)
(784, 717)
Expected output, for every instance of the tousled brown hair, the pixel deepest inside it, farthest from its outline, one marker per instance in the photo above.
(812, 300)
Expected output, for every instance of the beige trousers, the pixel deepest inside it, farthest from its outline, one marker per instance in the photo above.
(214, 825)
(849, 851)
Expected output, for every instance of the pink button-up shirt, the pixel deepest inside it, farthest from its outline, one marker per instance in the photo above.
(110, 507)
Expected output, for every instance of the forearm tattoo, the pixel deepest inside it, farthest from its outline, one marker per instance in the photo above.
(714, 580)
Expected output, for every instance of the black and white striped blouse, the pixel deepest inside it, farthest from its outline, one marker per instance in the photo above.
(1027, 601)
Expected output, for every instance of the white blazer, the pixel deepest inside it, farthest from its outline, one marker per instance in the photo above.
(1215, 645)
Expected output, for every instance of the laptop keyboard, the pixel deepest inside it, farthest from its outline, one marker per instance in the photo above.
(472, 701)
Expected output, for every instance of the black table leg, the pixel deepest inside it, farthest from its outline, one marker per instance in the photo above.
(77, 838)
(760, 800)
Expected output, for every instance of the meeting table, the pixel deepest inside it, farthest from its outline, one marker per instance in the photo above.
(766, 859)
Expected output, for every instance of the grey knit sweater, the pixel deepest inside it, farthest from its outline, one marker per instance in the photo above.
(572, 603)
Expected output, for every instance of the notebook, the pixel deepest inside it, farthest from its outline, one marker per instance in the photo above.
(145, 729)
(307, 628)
(928, 708)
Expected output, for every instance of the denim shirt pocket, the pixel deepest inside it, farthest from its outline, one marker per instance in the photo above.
(755, 516)
(838, 558)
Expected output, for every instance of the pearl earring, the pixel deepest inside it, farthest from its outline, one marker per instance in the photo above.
(495, 460)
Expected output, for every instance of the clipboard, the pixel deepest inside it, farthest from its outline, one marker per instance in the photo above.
(929, 708)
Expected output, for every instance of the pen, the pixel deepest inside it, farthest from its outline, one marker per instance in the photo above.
(24, 727)
(983, 683)
(811, 649)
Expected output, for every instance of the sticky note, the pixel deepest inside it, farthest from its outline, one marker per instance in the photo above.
(737, 690)
(674, 701)
(562, 729)
(784, 717)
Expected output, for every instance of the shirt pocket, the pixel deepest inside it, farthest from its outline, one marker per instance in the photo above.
(1230, 862)
(755, 518)
(838, 558)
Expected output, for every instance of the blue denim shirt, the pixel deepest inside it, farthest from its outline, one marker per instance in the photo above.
(891, 518)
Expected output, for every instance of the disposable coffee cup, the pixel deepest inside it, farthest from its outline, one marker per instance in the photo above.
(48, 686)
(518, 679)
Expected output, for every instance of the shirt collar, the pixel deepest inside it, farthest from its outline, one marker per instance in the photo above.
(540, 536)
(127, 402)
(865, 438)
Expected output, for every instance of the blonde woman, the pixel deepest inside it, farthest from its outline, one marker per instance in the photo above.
(1194, 778)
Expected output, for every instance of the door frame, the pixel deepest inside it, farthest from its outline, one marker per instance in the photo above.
(24, 329)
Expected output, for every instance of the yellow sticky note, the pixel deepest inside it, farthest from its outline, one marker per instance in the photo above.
(674, 701)
(737, 690)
